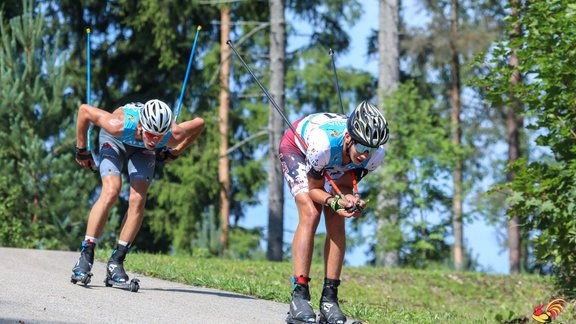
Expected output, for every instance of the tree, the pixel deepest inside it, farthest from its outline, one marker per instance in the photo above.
(513, 126)
(437, 57)
(39, 206)
(457, 199)
(543, 192)
(276, 127)
(387, 249)
(223, 162)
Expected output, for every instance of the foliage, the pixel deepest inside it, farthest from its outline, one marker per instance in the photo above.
(40, 207)
(418, 152)
(425, 50)
(543, 194)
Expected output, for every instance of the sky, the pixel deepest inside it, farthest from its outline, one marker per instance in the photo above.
(479, 237)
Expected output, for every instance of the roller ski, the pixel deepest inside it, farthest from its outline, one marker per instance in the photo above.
(82, 270)
(330, 312)
(301, 310)
(116, 275)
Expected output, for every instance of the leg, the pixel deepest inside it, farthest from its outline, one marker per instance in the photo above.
(335, 245)
(108, 196)
(130, 227)
(334, 250)
(135, 215)
(292, 161)
(141, 170)
(111, 184)
(303, 242)
(112, 160)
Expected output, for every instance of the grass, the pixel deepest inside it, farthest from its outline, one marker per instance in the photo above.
(373, 295)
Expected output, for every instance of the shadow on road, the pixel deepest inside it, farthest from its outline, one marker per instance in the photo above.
(193, 291)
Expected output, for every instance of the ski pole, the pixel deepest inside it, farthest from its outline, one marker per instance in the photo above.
(89, 136)
(331, 53)
(177, 112)
(229, 42)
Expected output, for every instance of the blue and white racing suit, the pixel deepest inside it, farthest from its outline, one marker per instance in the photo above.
(323, 134)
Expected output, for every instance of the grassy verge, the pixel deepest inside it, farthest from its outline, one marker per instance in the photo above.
(373, 295)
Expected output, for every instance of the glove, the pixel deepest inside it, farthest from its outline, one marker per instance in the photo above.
(84, 158)
(335, 204)
(165, 153)
(355, 208)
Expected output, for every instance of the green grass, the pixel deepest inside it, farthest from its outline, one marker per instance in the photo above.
(373, 295)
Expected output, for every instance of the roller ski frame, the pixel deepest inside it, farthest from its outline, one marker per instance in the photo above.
(291, 320)
(81, 278)
(133, 285)
(322, 320)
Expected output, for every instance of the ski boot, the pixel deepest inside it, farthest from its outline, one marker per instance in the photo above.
(330, 312)
(81, 271)
(300, 307)
(116, 275)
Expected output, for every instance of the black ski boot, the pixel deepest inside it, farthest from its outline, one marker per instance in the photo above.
(115, 274)
(330, 312)
(81, 271)
(301, 310)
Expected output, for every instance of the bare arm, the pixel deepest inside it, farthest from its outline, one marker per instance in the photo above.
(184, 134)
(320, 196)
(316, 190)
(113, 123)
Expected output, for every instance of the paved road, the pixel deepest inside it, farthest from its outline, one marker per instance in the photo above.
(35, 288)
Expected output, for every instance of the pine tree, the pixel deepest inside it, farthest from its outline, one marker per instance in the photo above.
(38, 176)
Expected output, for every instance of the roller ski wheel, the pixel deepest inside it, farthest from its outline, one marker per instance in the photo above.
(81, 278)
(133, 285)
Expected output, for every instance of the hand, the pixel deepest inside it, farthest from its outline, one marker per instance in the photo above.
(358, 204)
(345, 207)
(84, 158)
(166, 155)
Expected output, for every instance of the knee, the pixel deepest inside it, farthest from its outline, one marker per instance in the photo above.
(137, 200)
(310, 216)
(110, 195)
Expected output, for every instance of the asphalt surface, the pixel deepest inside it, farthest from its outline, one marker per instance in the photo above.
(35, 287)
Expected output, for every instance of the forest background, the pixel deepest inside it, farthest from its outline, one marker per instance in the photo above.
(477, 95)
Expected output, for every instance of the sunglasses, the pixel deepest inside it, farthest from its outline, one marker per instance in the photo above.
(152, 137)
(362, 149)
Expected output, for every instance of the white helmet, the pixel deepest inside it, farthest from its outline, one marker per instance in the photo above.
(367, 126)
(156, 117)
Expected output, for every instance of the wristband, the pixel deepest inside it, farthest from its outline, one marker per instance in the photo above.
(326, 201)
(80, 150)
(82, 154)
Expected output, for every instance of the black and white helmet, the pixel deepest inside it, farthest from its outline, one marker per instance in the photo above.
(367, 126)
(156, 117)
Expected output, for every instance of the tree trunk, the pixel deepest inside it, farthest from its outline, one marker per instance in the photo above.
(513, 126)
(386, 253)
(456, 141)
(223, 163)
(389, 47)
(276, 127)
